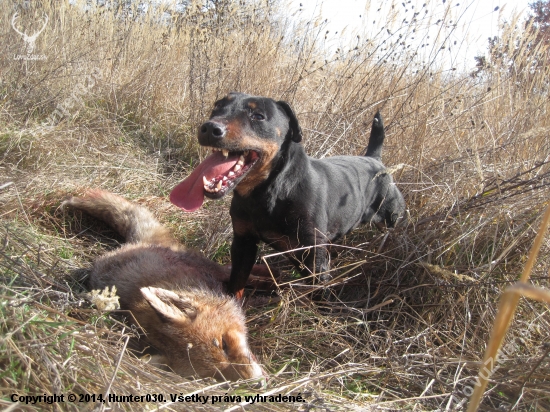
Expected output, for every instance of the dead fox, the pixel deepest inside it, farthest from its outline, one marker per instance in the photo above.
(176, 295)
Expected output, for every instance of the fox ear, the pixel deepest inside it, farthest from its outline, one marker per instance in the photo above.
(168, 305)
(294, 130)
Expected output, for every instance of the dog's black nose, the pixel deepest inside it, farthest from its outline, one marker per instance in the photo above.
(212, 130)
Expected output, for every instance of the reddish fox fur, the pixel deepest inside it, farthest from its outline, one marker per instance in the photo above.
(175, 295)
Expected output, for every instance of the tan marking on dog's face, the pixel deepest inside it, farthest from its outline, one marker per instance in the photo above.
(261, 170)
(233, 139)
(252, 105)
(278, 131)
(238, 139)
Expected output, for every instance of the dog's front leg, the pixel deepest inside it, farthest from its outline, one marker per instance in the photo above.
(243, 256)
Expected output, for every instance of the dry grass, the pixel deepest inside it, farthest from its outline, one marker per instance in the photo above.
(406, 322)
(505, 315)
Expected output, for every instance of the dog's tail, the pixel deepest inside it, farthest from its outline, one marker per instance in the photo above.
(134, 222)
(376, 140)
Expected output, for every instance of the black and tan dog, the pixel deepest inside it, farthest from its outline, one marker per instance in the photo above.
(282, 196)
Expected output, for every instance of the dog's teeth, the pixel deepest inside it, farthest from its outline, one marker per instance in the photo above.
(237, 167)
(205, 181)
(231, 174)
(219, 185)
(225, 178)
(225, 152)
(246, 152)
(241, 160)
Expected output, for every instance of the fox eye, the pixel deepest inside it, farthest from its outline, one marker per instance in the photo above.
(258, 116)
(224, 346)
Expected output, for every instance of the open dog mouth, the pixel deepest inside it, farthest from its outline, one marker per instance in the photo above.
(214, 177)
(218, 186)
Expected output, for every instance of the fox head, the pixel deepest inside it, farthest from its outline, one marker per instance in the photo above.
(201, 335)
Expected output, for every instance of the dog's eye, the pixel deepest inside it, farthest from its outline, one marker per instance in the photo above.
(258, 116)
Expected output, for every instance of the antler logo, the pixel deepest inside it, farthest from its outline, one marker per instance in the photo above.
(30, 40)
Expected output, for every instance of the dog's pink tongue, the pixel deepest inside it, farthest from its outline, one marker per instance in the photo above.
(189, 194)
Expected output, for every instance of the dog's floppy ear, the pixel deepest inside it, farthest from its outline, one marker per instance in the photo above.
(294, 127)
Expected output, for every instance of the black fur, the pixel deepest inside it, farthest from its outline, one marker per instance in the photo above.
(303, 201)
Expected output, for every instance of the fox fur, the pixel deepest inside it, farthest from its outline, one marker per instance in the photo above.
(174, 294)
